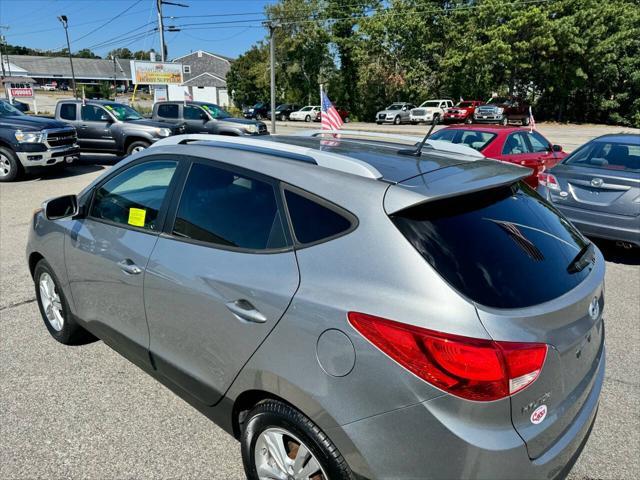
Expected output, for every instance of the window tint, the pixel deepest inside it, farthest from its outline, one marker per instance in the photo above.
(471, 138)
(538, 142)
(168, 110)
(134, 197)
(224, 208)
(313, 222)
(93, 113)
(503, 248)
(68, 111)
(515, 144)
(608, 156)
(193, 113)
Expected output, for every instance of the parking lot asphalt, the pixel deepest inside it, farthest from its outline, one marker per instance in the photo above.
(85, 412)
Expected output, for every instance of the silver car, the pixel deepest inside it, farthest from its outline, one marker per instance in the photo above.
(395, 113)
(598, 188)
(345, 308)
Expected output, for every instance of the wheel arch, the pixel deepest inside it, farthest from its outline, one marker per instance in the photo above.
(34, 258)
(129, 139)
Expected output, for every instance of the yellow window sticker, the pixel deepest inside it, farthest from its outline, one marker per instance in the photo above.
(137, 216)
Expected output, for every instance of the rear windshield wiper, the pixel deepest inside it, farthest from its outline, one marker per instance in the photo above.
(586, 256)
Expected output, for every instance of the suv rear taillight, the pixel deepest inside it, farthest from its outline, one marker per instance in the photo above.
(548, 181)
(471, 368)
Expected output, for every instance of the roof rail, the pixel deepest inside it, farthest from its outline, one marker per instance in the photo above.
(439, 145)
(330, 160)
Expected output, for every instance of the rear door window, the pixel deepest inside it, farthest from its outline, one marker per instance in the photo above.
(228, 209)
(315, 220)
(515, 144)
(502, 248)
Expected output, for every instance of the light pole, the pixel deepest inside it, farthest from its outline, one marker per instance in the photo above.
(63, 20)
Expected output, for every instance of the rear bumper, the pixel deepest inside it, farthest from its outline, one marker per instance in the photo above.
(49, 157)
(603, 225)
(434, 440)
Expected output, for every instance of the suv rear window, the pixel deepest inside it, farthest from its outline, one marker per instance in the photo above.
(502, 248)
(313, 222)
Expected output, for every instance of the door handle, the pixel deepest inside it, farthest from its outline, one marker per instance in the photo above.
(127, 266)
(244, 310)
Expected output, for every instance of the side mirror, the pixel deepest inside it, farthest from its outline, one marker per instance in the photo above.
(404, 109)
(61, 207)
(556, 148)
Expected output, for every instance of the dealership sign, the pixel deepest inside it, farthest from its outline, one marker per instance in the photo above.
(21, 92)
(156, 73)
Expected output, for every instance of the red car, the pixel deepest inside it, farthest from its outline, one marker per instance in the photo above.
(344, 114)
(462, 112)
(509, 144)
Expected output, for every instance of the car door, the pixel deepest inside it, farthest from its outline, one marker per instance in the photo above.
(219, 279)
(544, 149)
(107, 252)
(195, 119)
(94, 131)
(517, 149)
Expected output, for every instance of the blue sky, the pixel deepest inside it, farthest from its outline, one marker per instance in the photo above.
(233, 25)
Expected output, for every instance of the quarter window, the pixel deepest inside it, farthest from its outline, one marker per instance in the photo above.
(135, 196)
(168, 110)
(227, 209)
(68, 111)
(538, 142)
(313, 222)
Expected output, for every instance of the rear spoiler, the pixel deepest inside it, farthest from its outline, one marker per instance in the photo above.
(461, 179)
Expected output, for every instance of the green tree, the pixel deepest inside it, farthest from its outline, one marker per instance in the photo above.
(85, 53)
(120, 53)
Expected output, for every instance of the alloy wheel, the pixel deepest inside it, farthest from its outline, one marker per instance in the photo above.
(280, 455)
(5, 165)
(137, 149)
(51, 303)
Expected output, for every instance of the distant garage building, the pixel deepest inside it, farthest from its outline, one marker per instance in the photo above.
(204, 73)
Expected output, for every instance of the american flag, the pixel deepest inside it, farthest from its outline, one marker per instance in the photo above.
(532, 121)
(330, 117)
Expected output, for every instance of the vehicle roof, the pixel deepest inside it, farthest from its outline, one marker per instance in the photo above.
(89, 100)
(383, 156)
(633, 138)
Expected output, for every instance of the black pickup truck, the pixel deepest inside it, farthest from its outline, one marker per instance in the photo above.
(110, 127)
(28, 142)
(202, 117)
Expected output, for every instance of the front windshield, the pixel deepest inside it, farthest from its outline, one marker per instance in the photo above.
(431, 104)
(122, 112)
(395, 106)
(8, 110)
(258, 105)
(497, 100)
(281, 107)
(306, 109)
(215, 111)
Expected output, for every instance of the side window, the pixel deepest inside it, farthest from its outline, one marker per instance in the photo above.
(93, 113)
(515, 145)
(135, 196)
(223, 208)
(538, 142)
(193, 113)
(447, 135)
(68, 111)
(312, 221)
(168, 110)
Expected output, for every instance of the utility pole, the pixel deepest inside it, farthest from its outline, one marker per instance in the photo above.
(160, 29)
(1, 55)
(115, 84)
(272, 55)
(63, 20)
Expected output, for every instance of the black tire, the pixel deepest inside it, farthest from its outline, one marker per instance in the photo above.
(135, 146)
(258, 116)
(397, 120)
(276, 414)
(525, 121)
(437, 119)
(413, 122)
(468, 120)
(307, 119)
(71, 333)
(10, 167)
(505, 121)
(379, 123)
(347, 119)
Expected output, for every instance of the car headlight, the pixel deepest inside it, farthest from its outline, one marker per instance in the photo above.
(30, 137)
(164, 132)
(252, 129)
(499, 110)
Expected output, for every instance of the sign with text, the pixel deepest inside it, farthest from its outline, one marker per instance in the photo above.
(21, 92)
(156, 73)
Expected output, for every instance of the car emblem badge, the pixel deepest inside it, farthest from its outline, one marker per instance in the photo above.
(539, 414)
(594, 308)
(597, 182)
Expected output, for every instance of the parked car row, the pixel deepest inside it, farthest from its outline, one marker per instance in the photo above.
(499, 110)
(291, 112)
(28, 142)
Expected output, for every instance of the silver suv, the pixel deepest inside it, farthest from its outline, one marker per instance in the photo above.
(344, 308)
(395, 113)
